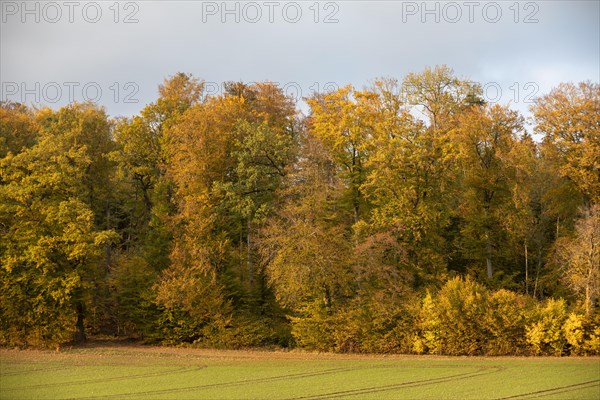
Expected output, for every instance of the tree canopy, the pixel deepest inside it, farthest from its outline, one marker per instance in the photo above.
(408, 216)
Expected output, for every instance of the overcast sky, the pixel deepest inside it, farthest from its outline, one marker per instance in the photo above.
(118, 53)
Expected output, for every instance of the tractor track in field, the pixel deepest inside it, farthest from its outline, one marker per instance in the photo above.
(410, 384)
(46, 369)
(481, 371)
(109, 379)
(223, 384)
(556, 390)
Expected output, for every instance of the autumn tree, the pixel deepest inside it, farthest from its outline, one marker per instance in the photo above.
(18, 127)
(407, 181)
(569, 119)
(54, 195)
(579, 258)
(439, 94)
(264, 145)
(335, 121)
(484, 137)
(145, 202)
(141, 152)
(227, 156)
(305, 245)
(306, 248)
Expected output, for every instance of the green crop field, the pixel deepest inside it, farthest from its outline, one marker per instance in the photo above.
(139, 372)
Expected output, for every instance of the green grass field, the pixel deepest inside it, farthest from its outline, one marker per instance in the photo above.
(138, 372)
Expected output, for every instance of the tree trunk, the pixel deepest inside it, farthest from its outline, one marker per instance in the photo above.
(355, 184)
(488, 246)
(588, 300)
(147, 202)
(327, 299)
(590, 270)
(249, 256)
(80, 328)
(107, 252)
(537, 271)
(526, 271)
(588, 281)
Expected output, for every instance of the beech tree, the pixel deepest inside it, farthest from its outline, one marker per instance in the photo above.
(335, 121)
(579, 258)
(569, 118)
(484, 137)
(407, 182)
(53, 196)
(18, 127)
(305, 245)
(227, 156)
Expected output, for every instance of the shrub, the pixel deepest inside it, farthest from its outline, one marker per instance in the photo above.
(368, 325)
(314, 328)
(592, 344)
(461, 308)
(399, 337)
(573, 331)
(581, 334)
(427, 336)
(505, 320)
(131, 280)
(545, 334)
(244, 331)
